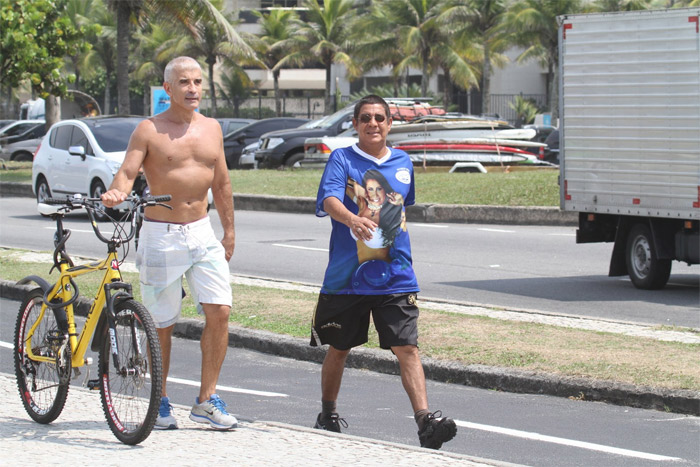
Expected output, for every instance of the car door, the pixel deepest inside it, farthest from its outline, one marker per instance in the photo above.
(57, 158)
(77, 168)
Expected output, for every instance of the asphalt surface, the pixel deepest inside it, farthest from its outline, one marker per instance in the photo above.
(680, 401)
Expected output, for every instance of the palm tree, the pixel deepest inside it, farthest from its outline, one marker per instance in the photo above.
(376, 45)
(80, 13)
(185, 12)
(481, 23)
(275, 45)
(236, 86)
(534, 26)
(209, 41)
(126, 10)
(324, 37)
(103, 55)
(419, 34)
(157, 46)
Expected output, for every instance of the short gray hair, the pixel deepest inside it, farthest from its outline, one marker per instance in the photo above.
(179, 62)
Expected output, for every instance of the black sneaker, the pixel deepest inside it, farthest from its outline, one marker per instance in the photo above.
(330, 423)
(436, 431)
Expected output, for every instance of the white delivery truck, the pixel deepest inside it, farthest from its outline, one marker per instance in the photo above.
(629, 103)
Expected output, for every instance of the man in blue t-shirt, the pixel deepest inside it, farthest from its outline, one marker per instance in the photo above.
(365, 189)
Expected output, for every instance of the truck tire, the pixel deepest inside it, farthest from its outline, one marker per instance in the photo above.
(645, 269)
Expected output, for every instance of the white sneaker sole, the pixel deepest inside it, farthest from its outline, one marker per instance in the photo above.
(213, 424)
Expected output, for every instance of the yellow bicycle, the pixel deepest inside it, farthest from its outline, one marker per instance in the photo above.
(48, 348)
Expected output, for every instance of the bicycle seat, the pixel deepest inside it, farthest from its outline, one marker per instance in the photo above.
(47, 209)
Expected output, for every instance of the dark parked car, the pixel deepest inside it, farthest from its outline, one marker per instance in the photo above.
(285, 148)
(232, 124)
(235, 141)
(551, 152)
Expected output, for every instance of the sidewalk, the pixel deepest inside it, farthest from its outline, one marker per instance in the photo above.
(80, 435)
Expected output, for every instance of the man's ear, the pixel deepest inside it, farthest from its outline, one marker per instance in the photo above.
(166, 87)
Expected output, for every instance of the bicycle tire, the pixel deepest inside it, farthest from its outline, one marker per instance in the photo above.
(43, 387)
(131, 395)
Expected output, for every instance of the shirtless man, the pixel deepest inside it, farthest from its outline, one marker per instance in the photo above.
(182, 155)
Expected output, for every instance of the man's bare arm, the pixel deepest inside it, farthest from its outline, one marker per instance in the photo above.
(124, 179)
(223, 200)
(361, 227)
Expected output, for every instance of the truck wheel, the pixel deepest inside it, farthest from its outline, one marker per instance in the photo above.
(294, 160)
(645, 269)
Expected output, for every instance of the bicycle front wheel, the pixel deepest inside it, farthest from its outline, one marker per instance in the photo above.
(130, 383)
(43, 386)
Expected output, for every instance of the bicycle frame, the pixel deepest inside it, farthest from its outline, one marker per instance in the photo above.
(63, 291)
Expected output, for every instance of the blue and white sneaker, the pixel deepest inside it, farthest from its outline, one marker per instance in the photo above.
(165, 420)
(213, 412)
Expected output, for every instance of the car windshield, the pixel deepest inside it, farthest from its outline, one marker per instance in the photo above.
(113, 136)
(329, 120)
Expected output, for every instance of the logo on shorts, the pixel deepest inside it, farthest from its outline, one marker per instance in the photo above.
(331, 325)
(411, 299)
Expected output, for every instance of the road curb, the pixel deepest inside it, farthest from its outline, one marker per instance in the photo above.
(480, 376)
(429, 213)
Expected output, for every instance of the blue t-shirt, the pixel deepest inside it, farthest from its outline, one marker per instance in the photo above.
(378, 189)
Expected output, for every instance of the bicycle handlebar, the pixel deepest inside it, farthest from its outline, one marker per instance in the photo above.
(90, 204)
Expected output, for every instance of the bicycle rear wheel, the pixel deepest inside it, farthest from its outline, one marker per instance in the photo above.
(42, 386)
(131, 391)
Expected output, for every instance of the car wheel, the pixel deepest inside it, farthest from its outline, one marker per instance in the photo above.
(42, 191)
(645, 269)
(294, 161)
(97, 189)
(22, 156)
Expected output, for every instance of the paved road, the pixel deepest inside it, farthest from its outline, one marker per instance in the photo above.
(514, 267)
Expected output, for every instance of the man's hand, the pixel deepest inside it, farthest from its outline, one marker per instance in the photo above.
(113, 197)
(229, 243)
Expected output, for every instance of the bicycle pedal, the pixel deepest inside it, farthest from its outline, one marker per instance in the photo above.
(93, 384)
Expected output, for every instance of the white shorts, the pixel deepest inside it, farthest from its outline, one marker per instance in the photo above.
(166, 252)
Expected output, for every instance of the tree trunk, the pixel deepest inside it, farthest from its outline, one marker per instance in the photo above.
(147, 99)
(107, 109)
(328, 104)
(426, 77)
(447, 99)
(123, 101)
(486, 81)
(212, 89)
(52, 110)
(278, 101)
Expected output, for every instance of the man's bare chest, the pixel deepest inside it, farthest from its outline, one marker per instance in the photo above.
(185, 149)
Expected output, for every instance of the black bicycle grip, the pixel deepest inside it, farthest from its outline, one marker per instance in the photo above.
(56, 201)
(162, 198)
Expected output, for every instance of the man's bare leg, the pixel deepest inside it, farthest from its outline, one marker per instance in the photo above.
(332, 373)
(214, 344)
(165, 336)
(432, 432)
(412, 375)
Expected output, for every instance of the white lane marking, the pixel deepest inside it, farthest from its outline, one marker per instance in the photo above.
(219, 387)
(297, 247)
(561, 235)
(432, 226)
(566, 442)
(497, 230)
(188, 382)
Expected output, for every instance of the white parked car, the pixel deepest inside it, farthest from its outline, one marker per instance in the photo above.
(82, 156)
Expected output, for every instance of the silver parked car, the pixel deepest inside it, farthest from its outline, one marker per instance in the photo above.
(21, 150)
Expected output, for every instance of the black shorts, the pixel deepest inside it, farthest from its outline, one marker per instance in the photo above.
(343, 320)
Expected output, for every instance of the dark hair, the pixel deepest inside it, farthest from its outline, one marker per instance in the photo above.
(371, 99)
